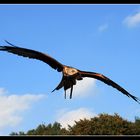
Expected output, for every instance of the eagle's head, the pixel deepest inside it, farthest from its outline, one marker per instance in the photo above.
(69, 71)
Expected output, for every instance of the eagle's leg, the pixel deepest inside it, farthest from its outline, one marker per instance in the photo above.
(65, 94)
(71, 91)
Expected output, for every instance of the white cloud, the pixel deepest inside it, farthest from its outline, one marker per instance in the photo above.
(132, 20)
(12, 105)
(84, 87)
(66, 118)
(103, 27)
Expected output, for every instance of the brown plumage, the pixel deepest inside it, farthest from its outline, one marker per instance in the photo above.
(70, 74)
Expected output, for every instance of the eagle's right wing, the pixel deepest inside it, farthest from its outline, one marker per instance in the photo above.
(34, 55)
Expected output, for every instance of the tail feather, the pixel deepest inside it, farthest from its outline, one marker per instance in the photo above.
(60, 85)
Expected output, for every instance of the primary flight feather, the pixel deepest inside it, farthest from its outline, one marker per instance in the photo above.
(70, 74)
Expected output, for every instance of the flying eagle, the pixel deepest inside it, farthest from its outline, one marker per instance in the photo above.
(69, 74)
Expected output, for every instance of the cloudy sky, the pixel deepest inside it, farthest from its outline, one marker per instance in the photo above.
(99, 38)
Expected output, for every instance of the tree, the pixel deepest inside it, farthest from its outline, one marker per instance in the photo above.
(136, 126)
(49, 129)
(103, 124)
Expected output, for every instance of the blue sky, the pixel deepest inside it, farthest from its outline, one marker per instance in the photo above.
(99, 38)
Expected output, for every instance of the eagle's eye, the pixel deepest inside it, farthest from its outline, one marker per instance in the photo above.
(73, 71)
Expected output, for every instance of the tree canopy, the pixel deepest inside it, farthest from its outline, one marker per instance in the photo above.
(103, 124)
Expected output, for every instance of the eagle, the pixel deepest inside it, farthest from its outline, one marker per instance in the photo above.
(70, 75)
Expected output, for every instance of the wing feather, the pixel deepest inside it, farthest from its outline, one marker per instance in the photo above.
(33, 54)
(108, 81)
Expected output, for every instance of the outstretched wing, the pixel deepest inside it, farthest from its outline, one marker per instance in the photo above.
(108, 82)
(33, 54)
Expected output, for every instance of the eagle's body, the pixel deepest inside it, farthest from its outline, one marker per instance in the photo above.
(69, 74)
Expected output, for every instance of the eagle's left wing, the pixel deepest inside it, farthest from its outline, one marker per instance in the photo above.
(108, 81)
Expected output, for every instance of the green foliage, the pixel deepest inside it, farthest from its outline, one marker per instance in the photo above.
(136, 126)
(50, 129)
(103, 124)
